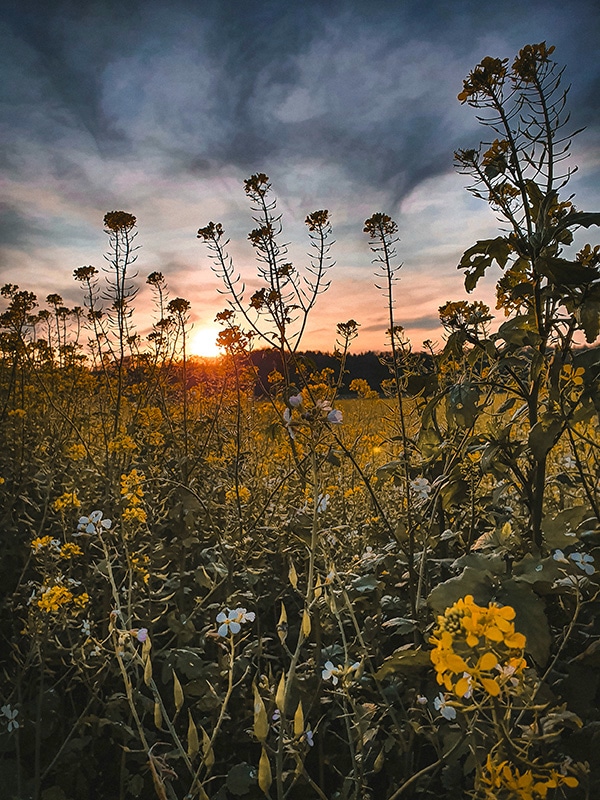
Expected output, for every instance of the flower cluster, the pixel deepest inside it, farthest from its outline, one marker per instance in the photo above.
(56, 597)
(477, 648)
(66, 501)
(53, 546)
(503, 781)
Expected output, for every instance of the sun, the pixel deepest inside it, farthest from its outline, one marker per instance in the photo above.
(203, 342)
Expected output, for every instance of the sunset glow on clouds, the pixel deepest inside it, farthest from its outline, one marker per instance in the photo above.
(163, 110)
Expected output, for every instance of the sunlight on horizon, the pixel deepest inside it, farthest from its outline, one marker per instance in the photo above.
(203, 342)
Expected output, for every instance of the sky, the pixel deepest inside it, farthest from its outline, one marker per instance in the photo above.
(163, 109)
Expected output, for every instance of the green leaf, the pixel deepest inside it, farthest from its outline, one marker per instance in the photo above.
(241, 778)
(477, 582)
(566, 273)
(583, 219)
(519, 331)
(481, 255)
(461, 405)
(531, 569)
(405, 659)
(588, 316)
(531, 618)
(559, 529)
(543, 436)
(366, 583)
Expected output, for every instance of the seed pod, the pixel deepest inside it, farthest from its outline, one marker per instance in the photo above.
(265, 778)
(192, 737)
(148, 672)
(280, 695)
(208, 754)
(305, 623)
(299, 720)
(282, 625)
(293, 575)
(177, 692)
(157, 715)
(261, 723)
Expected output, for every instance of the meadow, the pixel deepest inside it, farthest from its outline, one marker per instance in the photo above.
(218, 586)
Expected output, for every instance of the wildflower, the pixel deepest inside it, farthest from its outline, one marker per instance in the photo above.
(11, 715)
(331, 671)
(40, 543)
(54, 598)
(66, 501)
(335, 417)
(335, 673)
(94, 523)
(295, 400)
(309, 737)
(231, 622)
(69, 550)
(76, 452)
(141, 634)
(445, 710)
(322, 503)
(131, 487)
(421, 700)
(287, 421)
(560, 556)
(242, 492)
(85, 627)
(134, 514)
(421, 488)
(584, 562)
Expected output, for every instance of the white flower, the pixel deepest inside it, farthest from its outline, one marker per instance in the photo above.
(93, 524)
(445, 710)
(584, 562)
(11, 715)
(287, 421)
(335, 417)
(295, 400)
(322, 503)
(231, 622)
(308, 737)
(331, 671)
(323, 405)
(421, 488)
(421, 700)
(560, 556)
(85, 627)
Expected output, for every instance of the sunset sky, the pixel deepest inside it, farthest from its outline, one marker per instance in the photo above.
(162, 109)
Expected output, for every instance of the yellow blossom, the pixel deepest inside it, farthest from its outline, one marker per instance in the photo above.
(69, 550)
(66, 501)
(41, 542)
(76, 452)
(134, 514)
(54, 598)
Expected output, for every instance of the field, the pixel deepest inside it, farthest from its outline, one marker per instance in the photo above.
(218, 586)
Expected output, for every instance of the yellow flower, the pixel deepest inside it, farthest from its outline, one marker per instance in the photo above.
(40, 543)
(69, 550)
(244, 494)
(66, 501)
(54, 598)
(134, 514)
(131, 487)
(76, 452)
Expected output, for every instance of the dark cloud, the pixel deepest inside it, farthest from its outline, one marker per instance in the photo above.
(106, 104)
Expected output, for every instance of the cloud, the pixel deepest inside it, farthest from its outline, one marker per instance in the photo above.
(163, 109)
